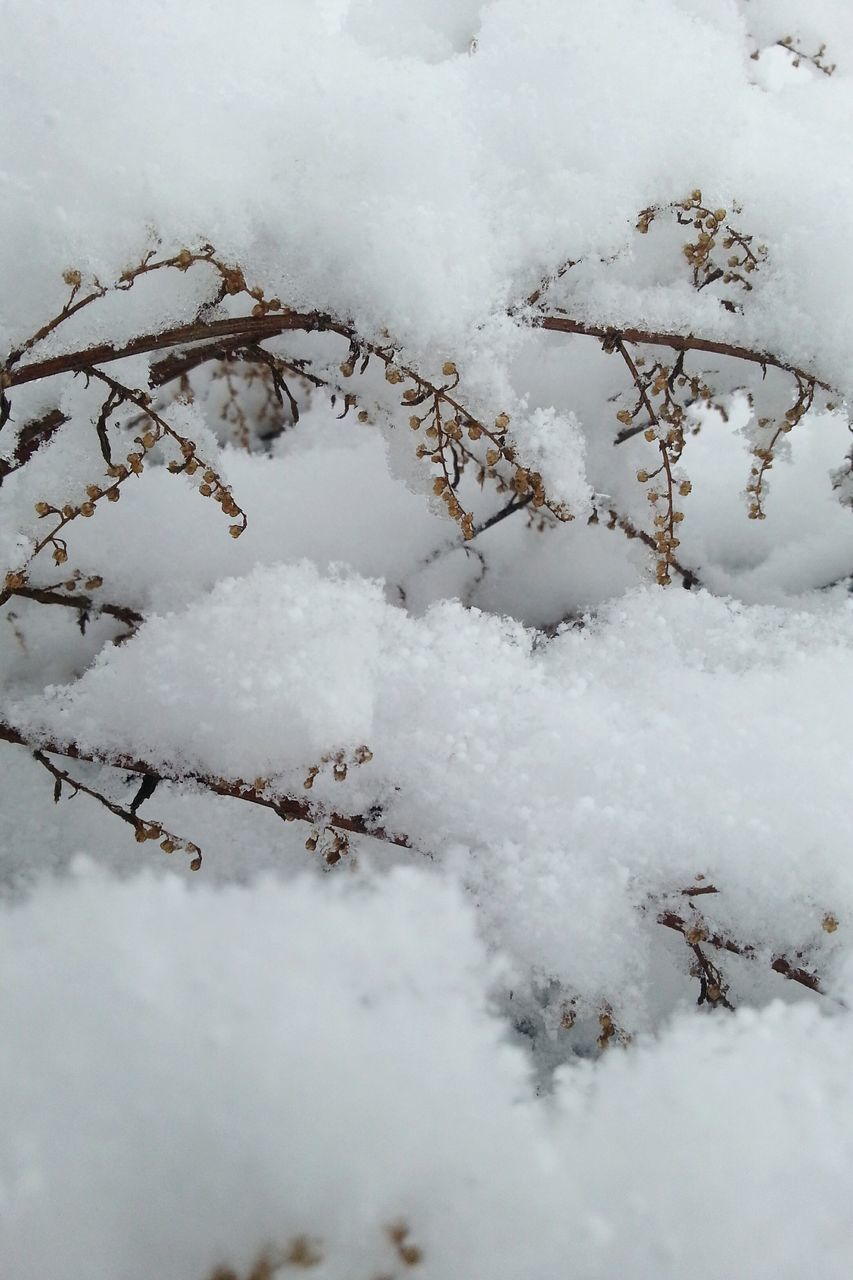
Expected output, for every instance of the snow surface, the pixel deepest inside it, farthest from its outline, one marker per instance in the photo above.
(195, 1067)
(253, 1064)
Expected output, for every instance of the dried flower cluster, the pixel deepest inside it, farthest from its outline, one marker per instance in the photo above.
(798, 55)
(133, 426)
(713, 235)
(304, 1254)
(667, 393)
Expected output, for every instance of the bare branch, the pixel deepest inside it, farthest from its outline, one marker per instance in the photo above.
(287, 807)
(696, 930)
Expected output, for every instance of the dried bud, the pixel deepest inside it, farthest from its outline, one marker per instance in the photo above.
(235, 281)
(449, 369)
(87, 509)
(43, 509)
(72, 277)
(235, 530)
(502, 421)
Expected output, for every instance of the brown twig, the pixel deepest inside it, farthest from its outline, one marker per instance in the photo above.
(143, 830)
(698, 931)
(689, 577)
(695, 931)
(287, 807)
(30, 439)
(85, 604)
(249, 330)
(789, 44)
(676, 341)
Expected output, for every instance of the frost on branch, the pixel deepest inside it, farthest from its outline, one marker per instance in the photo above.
(245, 345)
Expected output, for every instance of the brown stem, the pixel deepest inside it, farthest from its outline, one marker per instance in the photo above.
(290, 808)
(285, 806)
(143, 830)
(242, 329)
(617, 521)
(253, 329)
(30, 439)
(677, 341)
(690, 929)
(83, 603)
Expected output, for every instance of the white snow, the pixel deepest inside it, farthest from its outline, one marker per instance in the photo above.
(398, 1057)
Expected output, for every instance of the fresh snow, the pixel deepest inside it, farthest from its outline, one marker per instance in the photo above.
(397, 1058)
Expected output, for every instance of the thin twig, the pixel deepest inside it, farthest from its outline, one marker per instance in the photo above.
(83, 603)
(779, 964)
(689, 577)
(144, 830)
(286, 807)
(677, 341)
(249, 330)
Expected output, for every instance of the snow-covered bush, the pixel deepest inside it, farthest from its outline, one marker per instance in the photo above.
(426, 656)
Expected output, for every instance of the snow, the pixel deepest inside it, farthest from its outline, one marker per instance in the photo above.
(673, 735)
(474, 1050)
(178, 1103)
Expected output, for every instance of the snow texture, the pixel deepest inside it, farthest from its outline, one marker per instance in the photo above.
(479, 1042)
